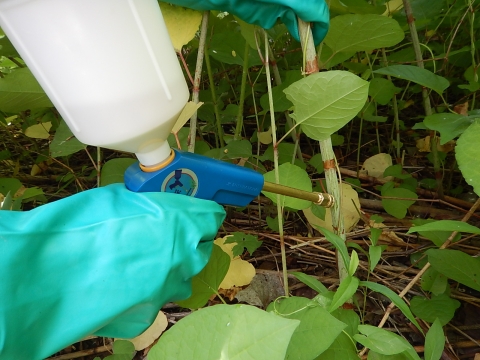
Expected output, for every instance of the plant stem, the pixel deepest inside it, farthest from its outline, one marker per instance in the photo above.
(197, 79)
(277, 175)
(328, 156)
(219, 137)
(426, 99)
(239, 127)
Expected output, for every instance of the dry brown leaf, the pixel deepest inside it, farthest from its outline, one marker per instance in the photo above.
(461, 109)
(351, 215)
(425, 145)
(376, 165)
(240, 272)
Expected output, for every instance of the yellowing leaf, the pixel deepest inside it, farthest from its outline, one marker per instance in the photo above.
(149, 336)
(376, 165)
(187, 112)
(39, 131)
(265, 137)
(351, 216)
(182, 24)
(240, 272)
(392, 7)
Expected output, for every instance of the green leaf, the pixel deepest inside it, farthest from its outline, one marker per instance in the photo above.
(394, 207)
(437, 237)
(375, 234)
(238, 149)
(445, 225)
(64, 143)
(122, 350)
(441, 307)
(293, 176)
(339, 244)
(7, 49)
(382, 90)
(354, 261)
(20, 91)
(362, 33)
(280, 101)
(417, 75)
(272, 223)
(381, 341)
(324, 102)
(467, 153)
(434, 282)
(316, 332)
(208, 280)
(311, 282)
(456, 265)
(374, 253)
(449, 125)
(397, 300)
(372, 355)
(345, 291)
(243, 241)
(229, 48)
(113, 170)
(434, 342)
(9, 185)
(239, 332)
(317, 162)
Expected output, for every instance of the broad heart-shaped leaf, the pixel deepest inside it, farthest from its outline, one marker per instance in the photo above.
(441, 307)
(456, 265)
(229, 48)
(113, 170)
(394, 207)
(324, 102)
(293, 176)
(20, 91)
(208, 280)
(362, 33)
(434, 282)
(384, 342)
(445, 225)
(64, 142)
(449, 125)
(467, 153)
(434, 342)
(397, 300)
(316, 332)
(239, 332)
(417, 75)
(182, 23)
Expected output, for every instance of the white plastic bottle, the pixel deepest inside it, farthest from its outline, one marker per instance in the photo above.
(107, 65)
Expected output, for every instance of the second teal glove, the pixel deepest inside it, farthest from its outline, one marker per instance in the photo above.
(266, 12)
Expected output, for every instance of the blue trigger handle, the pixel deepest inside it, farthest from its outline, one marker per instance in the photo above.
(199, 176)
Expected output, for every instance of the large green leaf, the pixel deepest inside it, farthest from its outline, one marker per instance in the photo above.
(397, 207)
(20, 91)
(434, 342)
(417, 75)
(456, 265)
(239, 332)
(113, 170)
(441, 307)
(316, 332)
(64, 142)
(445, 225)
(382, 341)
(467, 153)
(382, 90)
(229, 48)
(207, 282)
(397, 300)
(293, 176)
(449, 125)
(326, 101)
(362, 33)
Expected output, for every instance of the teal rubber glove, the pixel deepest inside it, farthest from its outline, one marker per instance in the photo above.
(100, 262)
(266, 12)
